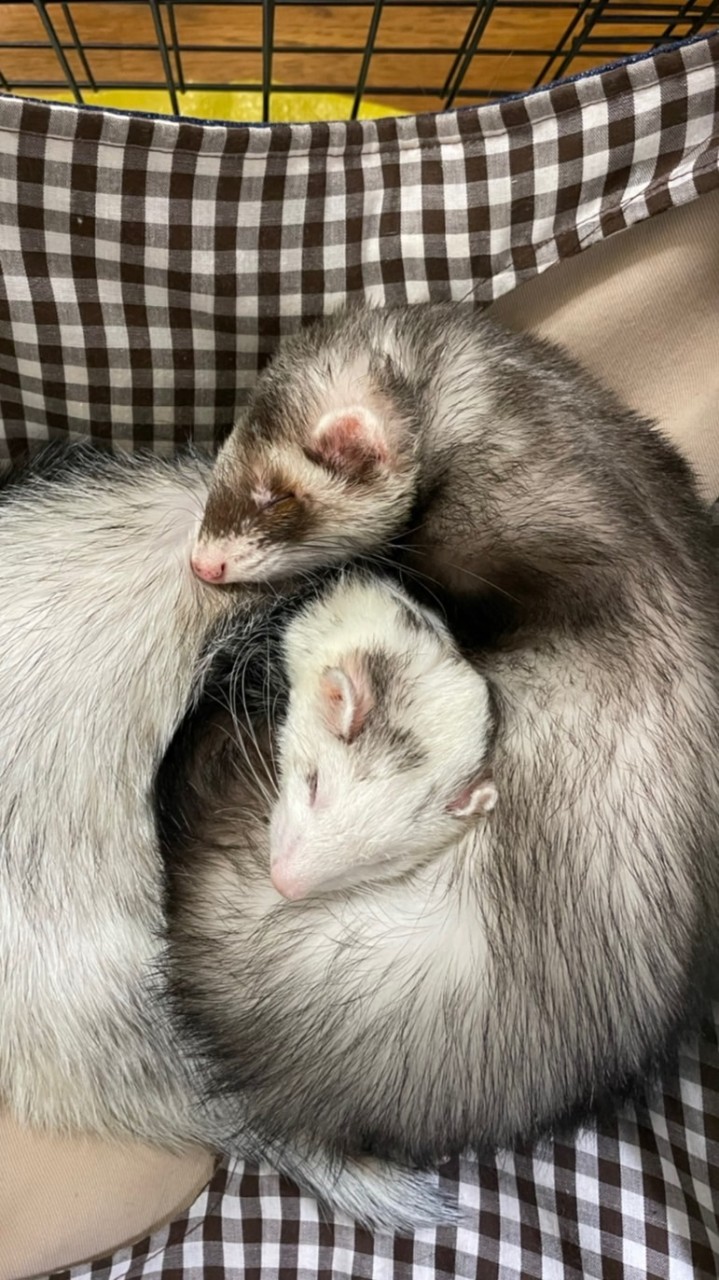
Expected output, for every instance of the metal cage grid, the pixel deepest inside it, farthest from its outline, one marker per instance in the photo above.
(589, 32)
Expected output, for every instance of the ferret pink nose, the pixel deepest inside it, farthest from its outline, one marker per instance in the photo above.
(208, 567)
(286, 882)
(284, 872)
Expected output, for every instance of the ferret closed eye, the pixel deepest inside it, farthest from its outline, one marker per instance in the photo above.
(386, 746)
(486, 901)
(499, 844)
(325, 441)
(497, 466)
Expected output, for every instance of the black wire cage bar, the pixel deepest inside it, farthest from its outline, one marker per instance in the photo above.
(583, 33)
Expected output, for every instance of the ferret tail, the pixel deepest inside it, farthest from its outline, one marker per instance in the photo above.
(377, 1194)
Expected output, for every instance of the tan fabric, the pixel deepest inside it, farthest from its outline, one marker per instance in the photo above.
(65, 1199)
(641, 311)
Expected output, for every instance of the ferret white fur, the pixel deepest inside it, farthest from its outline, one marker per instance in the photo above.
(104, 635)
(101, 629)
(360, 813)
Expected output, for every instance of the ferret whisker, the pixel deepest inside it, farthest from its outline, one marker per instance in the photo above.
(269, 711)
(270, 707)
(243, 767)
(417, 551)
(414, 528)
(487, 582)
(252, 732)
(413, 574)
(242, 730)
(258, 780)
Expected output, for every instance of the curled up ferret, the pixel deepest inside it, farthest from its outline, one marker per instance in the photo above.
(498, 968)
(500, 468)
(447, 972)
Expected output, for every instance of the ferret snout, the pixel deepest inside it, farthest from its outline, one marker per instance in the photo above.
(286, 881)
(285, 875)
(209, 566)
(287, 856)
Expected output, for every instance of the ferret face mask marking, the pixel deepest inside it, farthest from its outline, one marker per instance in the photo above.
(385, 749)
(247, 527)
(320, 471)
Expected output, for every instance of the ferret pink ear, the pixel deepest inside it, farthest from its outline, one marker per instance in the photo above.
(351, 440)
(347, 700)
(480, 796)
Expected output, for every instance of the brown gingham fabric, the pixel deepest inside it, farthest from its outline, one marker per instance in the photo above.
(147, 269)
(637, 1201)
(148, 266)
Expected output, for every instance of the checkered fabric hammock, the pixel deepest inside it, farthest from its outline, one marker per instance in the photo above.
(147, 269)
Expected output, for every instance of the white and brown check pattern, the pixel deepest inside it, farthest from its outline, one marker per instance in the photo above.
(148, 266)
(639, 1200)
(147, 269)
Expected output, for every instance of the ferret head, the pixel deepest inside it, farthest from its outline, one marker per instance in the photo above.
(320, 469)
(385, 753)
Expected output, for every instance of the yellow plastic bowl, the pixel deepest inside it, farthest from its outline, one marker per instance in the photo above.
(289, 108)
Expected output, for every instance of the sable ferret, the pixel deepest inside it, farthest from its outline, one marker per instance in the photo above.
(452, 974)
(105, 636)
(502, 468)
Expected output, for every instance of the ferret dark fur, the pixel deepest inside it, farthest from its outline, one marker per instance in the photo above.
(503, 471)
(527, 974)
(572, 552)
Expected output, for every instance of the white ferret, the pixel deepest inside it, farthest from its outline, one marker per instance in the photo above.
(449, 973)
(104, 637)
